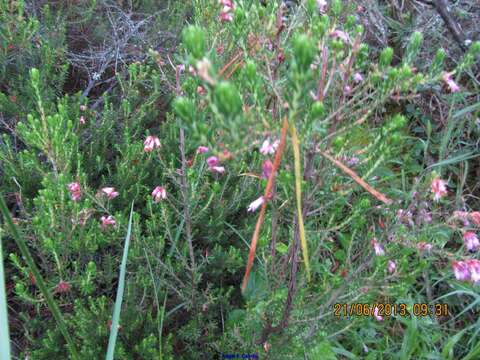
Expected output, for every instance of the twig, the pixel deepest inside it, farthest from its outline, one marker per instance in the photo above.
(357, 179)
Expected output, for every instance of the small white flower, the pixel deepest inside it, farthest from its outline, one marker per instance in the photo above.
(255, 204)
(96, 76)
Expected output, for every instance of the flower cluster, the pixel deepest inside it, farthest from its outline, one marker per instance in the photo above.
(213, 163)
(150, 143)
(226, 13)
(468, 270)
(75, 191)
(438, 188)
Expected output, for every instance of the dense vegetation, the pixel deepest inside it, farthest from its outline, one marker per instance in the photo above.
(233, 177)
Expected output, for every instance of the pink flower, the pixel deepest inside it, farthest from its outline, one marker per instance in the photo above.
(392, 266)
(201, 90)
(357, 77)
(255, 204)
(267, 168)
(62, 287)
(181, 68)
(439, 188)
(212, 161)
(150, 143)
(82, 120)
(268, 148)
(462, 215)
(447, 77)
(341, 35)
(322, 5)
(423, 246)
(228, 3)
(75, 191)
(471, 241)
(192, 70)
(375, 313)
(107, 220)
(347, 90)
(217, 169)
(461, 270)
(474, 267)
(379, 251)
(159, 193)
(475, 216)
(202, 150)
(110, 192)
(203, 69)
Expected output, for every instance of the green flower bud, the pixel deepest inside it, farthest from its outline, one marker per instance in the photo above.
(227, 99)
(437, 63)
(304, 50)
(386, 57)
(396, 138)
(194, 40)
(239, 14)
(184, 108)
(318, 110)
(350, 21)
(414, 46)
(359, 29)
(336, 7)
(406, 72)
(35, 76)
(250, 70)
(337, 44)
(311, 7)
(365, 203)
(392, 74)
(397, 122)
(339, 141)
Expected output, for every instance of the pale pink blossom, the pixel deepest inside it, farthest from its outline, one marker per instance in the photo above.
(475, 216)
(82, 120)
(202, 150)
(341, 35)
(228, 3)
(159, 193)
(192, 70)
(212, 161)
(110, 192)
(83, 108)
(377, 316)
(347, 90)
(357, 77)
(461, 270)
(322, 6)
(379, 251)
(267, 168)
(203, 70)
(107, 221)
(423, 246)
(62, 287)
(201, 90)
(439, 188)
(217, 169)
(256, 204)
(75, 191)
(447, 77)
(181, 68)
(471, 241)
(474, 268)
(268, 148)
(150, 143)
(392, 266)
(463, 216)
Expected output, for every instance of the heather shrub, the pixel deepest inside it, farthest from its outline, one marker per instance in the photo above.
(281, 169)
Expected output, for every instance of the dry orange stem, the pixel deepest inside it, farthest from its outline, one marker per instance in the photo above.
(261, 216)
(232, 60)
(357, 179)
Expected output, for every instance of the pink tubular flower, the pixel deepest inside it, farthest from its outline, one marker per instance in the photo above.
(322, 6)
(159, 193)
(268, 148)
(341, 35)
(82, 120)
(110, 192)
(447, 77)
(267, 168)
(212, 161)
(474, 268)
(150, 143)
(107, 221)
(438, 188)
(62, 287)
(475, 216)
(463, 216)
(375, 313)
(217, 169)
(423, 246)
(347, 90)
(391, 267)
(379, 251)
(202, 150)
(357, 77)
(75, 191)
(461, 270)
(255, 204)
(471, 241)
(201, 90)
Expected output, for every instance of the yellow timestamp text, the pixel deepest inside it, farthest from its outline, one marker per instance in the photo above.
(388, 310)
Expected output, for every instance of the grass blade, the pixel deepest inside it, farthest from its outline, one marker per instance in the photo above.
(22, 245)
(298, 191)
(121, 286)
(4, 336)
